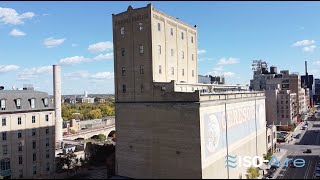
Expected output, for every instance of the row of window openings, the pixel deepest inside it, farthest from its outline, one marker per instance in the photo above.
(5, 149)
(141, 51)
(160, 70)
(122, 31)
(4, 120)
(32, 103)
(33, 133)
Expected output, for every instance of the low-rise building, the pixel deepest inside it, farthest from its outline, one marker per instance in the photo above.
(271, 138)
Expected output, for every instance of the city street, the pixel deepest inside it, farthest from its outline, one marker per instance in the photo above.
(310, 139)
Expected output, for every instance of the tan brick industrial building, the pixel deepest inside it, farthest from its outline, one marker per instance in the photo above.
(168, 126)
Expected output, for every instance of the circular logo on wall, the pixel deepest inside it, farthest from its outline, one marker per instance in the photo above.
(212, 133)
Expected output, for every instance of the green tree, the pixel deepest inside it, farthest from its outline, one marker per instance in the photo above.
(252, 173)
(95, 114)
(268, 156)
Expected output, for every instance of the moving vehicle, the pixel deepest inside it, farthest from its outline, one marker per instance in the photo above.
(307, 151)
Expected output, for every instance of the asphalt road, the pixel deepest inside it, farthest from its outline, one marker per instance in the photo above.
(310, 139)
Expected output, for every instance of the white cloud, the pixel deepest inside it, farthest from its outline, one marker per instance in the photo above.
(10, 16)
(77, 75)
(100, 47)
(7, 68)
(103, 56)
(309, 48)
(224, 61)
(201, 51)
(16, 32)
(74, 45)
(222, 73)
(73, 60)
(29, 73)
(303, 43)
(228, 74)
(316, 62)
(102, 75)
(51, 42)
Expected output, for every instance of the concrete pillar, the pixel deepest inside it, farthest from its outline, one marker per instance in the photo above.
(57, 102)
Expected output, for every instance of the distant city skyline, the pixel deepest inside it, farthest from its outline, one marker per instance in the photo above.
(78, 36)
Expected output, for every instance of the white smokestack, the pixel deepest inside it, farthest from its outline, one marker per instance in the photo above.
(57, 101)
(86, 94)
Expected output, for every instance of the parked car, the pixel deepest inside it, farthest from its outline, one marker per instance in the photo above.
(307, 151)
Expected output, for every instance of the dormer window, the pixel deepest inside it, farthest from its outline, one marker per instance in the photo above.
(3, 104)
(46, 102)
(32, 103)
(18, 103)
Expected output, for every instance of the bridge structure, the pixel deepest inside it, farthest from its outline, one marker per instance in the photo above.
(88, 133)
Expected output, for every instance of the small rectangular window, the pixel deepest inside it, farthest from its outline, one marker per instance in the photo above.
(141, 49)
(48, 166)
(20, 159)
(19, 134)
(182, 35)
(122, 30)
(33, 132)
(34, 145)
(192, 73)
(46, 102)
(124, 88)
(20, 147)
(34, 169)
(159, 49)
(47, 142)
(159, 27)
(47, 117)
(140, 26)
(4, 122)
(19, 120)
(182, 72)
(171, 31)
(191, 39)
(34, 156)
(18, 103)
(142, 88)
(47, 130)
(142, 69)
(48, 154)
(171, 52)
(182, 54)
(3, 104)
(123, 52)
(160, 70)
(4, 136)
(123, 71)
(192, 57)
(33, 103)
(4, 149)
(172, 70)
(33, 119)
(20, 173)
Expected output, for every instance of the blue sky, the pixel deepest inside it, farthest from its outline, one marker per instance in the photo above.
(36, 35)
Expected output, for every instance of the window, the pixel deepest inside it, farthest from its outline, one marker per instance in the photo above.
(20, 173)
(47, 130)
(123, 71)
(159, 49)
(123, 52)
(140, 26)
(142, 88)
(20, 146)
(34, 169)
(159, 27)
(191, 39)
(192, 57)
(3, 104)
(4, 136)
(46, 102)
(124, 88)
(34, 156)
(33, 103)
(269, 139)
(48, 166)
(287, 116)
(172, 70)
(33, 132)
(34, 145)
(281, 102)
(287, 102)
(33, 119)
(47, 142)
(47, 153)
(19, 134)
(160, 70)
(171, 52)
(18, 103)
(182, 35)
(122, 30)
(5, 165)
(141, 49)
(192, 73)
(142, 69)
(282, 116)
(182, 72)
(47, 117)
(19, 120)
(4, 149)
(20, 159)
(4, 121)
(182, 54)
(171, 31)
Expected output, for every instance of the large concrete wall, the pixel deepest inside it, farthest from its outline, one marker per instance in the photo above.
(244, 134)
(158, 140)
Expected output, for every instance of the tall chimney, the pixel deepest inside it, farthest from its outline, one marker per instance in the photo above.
(57, 102)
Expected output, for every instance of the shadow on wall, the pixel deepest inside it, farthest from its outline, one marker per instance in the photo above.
(27, 153)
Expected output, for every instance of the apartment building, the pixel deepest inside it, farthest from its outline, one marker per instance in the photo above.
(27, 133)
(168, 125)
